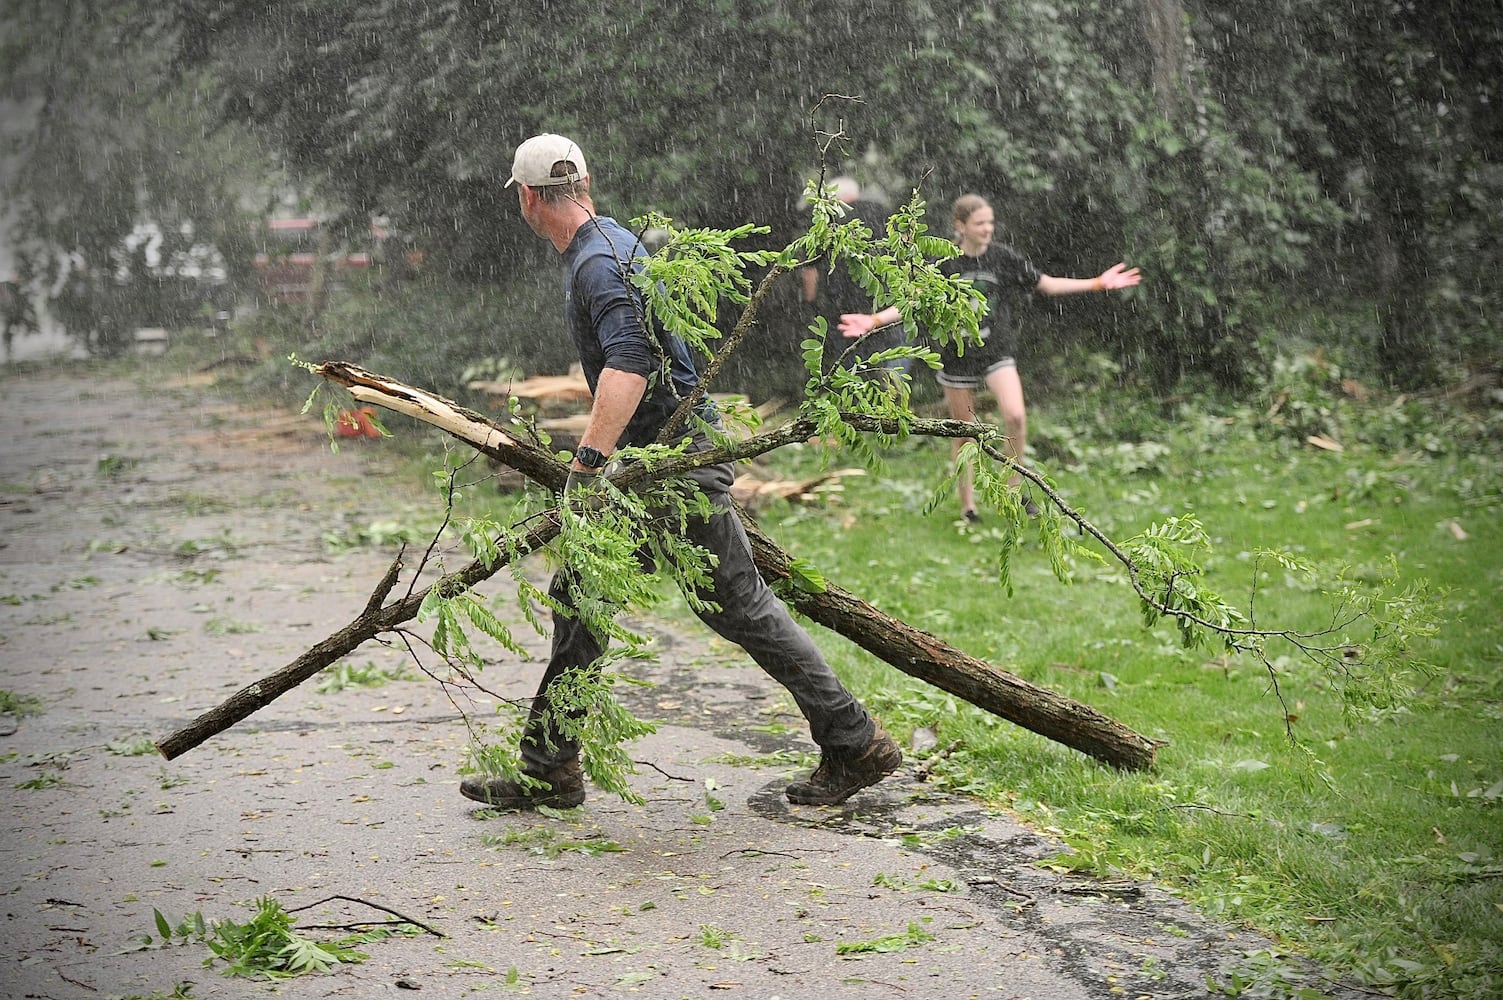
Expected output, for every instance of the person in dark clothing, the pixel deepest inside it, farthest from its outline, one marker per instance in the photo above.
(1003, 277)
(833, 293)
(636, 375)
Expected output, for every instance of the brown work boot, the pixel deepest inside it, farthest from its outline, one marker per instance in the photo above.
(839, 776)
(563, 789)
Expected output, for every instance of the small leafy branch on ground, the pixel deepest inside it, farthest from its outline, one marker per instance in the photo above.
(914, 936)
(224, 625)
(114, 466)
(192, 928)
(19, 705)
(132, 746)
(376, 534)
(180, 991)
(344, 675)
(264, 947)
(545, 842)
(47, 779)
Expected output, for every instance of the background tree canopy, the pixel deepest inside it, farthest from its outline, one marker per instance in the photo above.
(1284, 173)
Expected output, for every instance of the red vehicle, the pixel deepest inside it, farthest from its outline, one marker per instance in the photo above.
(287, 263)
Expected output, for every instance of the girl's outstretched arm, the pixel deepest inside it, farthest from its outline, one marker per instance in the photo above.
(1115, 277)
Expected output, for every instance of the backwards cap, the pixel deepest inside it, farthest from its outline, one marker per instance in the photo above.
(533, 163)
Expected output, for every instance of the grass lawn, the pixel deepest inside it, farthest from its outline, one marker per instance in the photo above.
(1383, 855)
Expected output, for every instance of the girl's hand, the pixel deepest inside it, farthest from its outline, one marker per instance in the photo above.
(857, 324)
(1117, 276)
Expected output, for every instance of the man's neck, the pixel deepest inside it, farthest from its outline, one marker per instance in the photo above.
(565, 220)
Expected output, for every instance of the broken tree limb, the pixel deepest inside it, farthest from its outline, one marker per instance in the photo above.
(911, 650)
(371, 622)
(934, 661)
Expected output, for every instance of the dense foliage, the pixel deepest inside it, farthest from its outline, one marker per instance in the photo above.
(1246, 158)
(124, 190)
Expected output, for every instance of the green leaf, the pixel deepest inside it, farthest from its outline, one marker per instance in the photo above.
(806, 577)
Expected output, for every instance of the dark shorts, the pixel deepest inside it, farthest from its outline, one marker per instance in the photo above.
(969, 371)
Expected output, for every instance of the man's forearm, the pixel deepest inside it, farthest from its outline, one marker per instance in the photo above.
(616, 397)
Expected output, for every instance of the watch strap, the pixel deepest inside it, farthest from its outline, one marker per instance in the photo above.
(590, 458)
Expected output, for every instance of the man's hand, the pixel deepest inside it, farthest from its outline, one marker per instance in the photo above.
(582, 489)
(1117, 276)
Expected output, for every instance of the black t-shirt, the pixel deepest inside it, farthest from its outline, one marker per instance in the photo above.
(1003, 276)
(840, 294)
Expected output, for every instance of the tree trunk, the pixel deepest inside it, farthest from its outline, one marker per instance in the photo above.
(1166, 40)
(911, 650)
(1406, 339)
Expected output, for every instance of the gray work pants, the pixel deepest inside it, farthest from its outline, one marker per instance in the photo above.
(750, 615)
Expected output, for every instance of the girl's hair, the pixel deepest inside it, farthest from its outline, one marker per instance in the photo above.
(966, 205)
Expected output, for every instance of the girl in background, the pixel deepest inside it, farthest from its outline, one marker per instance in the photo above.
(1002, 276)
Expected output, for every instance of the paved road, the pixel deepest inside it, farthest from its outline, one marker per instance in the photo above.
(163, 549)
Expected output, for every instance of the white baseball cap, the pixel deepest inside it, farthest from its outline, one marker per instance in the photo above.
(533, 163)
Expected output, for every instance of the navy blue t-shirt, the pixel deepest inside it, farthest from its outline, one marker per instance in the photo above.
(611, 327)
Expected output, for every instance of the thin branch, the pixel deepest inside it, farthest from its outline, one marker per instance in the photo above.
(670, 777)
(984, 435)
(1028, 900)
(743, 326)
(922, 772)
(1210, 809)
(448, 686)
(379, 595)
(261, 693)
(402, 917)
(439, 531)
(756, 853)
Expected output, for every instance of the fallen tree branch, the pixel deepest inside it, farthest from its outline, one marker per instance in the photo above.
(930, 659)
(402, 918)
(369, 624)
(911, 650)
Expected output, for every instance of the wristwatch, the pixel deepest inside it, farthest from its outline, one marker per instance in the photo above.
(590, 458)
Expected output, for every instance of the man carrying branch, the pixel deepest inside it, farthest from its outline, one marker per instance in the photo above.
(637, 374)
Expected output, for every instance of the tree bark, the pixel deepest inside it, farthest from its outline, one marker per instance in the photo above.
(1166, 34)
(931, 659)
(911, 650)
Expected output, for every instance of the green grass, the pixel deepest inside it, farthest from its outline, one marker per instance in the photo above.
(1388, 868)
